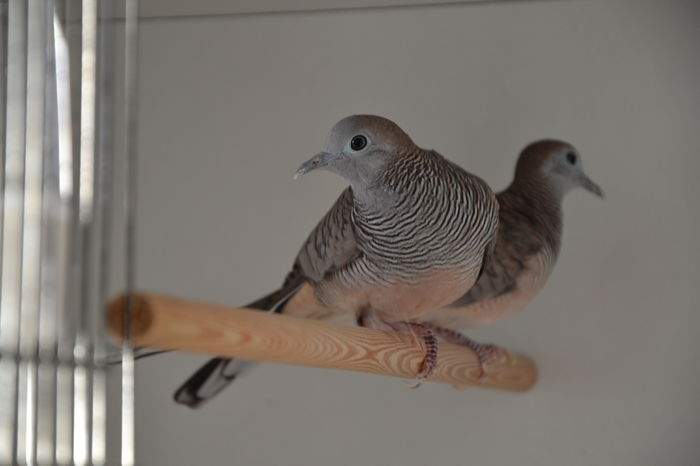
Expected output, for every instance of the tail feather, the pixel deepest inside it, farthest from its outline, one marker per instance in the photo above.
(218, 373)
(208, 381)
(139, 353)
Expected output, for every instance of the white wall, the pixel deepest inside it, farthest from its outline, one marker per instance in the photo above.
(230, 106)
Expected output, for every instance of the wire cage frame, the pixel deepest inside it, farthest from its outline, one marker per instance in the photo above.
(67, 211)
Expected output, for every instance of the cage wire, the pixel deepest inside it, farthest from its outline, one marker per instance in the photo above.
(58, 96)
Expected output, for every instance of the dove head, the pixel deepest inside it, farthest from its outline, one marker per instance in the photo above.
(359, 148)
(558, 163)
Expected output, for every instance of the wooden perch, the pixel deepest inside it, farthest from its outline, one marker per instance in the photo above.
(165, 322)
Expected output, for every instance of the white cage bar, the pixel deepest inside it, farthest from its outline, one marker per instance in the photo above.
(57, 107)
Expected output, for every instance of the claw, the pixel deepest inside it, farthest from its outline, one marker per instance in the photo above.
(425, 332)
(413, 384)
(486, 353)
(489, 354)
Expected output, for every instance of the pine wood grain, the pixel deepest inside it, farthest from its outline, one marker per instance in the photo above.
(179, 324)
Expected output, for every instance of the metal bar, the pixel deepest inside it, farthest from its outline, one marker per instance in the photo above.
(87, 110)
(183, 11)
(130, 75)
(72, 342)
(63, 97)
(103, 200)
(4, 48)
(50, 277)
(31, 242)
(82, 427)
(64, 327)
(13, 197)
(3, 102)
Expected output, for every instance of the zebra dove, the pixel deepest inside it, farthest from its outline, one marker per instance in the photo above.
(408, 236)
(527, 244)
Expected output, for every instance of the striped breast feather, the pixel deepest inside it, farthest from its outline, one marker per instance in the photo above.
(443, 213)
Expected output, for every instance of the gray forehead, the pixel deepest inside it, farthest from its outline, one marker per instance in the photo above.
(550, 147)
(378, 129)
(546, 153)
(541, 156)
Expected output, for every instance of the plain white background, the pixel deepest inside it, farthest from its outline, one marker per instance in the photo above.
(230, 106)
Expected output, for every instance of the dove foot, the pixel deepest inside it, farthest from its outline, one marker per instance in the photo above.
(423, 331)
(486, 353)
(429, 363)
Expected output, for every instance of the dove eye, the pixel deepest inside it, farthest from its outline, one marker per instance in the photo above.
(571, 158)
(358, 142)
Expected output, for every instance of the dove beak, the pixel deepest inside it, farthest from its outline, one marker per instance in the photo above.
(317, 161)
(588, 184)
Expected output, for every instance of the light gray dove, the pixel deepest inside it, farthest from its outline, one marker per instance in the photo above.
(527, 244)
(408, 236)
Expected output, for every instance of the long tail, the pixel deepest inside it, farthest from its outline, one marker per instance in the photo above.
(218, 373)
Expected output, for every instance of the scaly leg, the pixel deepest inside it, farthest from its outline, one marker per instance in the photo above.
(486, 353)
(429, 363)
(425, 332)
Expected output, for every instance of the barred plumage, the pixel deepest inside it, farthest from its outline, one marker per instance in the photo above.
(407, 237)
(529, 236)
(442, 217)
